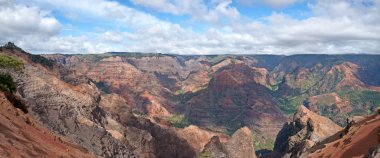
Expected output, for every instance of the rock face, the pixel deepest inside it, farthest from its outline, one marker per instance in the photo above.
(227, 92)
(232, 100)
(240, 145)
(22, 136)
(360, 138)
(103, 124)
(375, 152)
(306, 129)
(198, 137)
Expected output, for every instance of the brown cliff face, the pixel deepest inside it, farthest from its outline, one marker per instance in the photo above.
(22, 136)
(306, 129)
(145, 138)
(103, 124)
(198, 137)
(359, 139)
(240, 145)
(224, 93)
(233, 99)
(331, 104)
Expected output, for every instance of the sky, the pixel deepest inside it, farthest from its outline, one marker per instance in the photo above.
(192, 27)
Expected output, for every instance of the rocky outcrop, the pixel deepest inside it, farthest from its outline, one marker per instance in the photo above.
(214, 148)
(198, 137)
(146, 138)
(360, 138)
(306, 129)
(72, 111)
(240, 145)
(375, 152)
(22, 136)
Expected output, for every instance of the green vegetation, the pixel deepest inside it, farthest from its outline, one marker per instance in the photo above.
(180, 92)
(290, 104)
(6, 81)
(273, 87)
(358, 97)
(11, 45)
(220, 58)
(363, 102)
(35, 58)
(205, 154)
(7, 84)
(179, 121)
(7, 61)
(263, 143)
(93, 58)
(42, 60)
(104, 87)
(303, 85)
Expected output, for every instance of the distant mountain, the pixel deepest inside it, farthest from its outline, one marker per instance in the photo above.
(152, 105)
(163, 85)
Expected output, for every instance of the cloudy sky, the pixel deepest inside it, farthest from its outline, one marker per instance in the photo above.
(192, 26)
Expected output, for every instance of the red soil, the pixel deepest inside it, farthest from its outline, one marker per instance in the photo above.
(21, 136)
(356, 143)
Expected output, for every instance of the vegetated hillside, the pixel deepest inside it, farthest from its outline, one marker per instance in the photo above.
(333, 86)
(163, 87)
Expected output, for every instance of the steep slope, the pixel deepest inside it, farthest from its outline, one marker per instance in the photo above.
(148, 82)
(359, 139)
(22, 136)
(198, 137)
(217, 94)
(75, 110)
(240, 145)
(232, 100)
(335, 86)
(306, 129)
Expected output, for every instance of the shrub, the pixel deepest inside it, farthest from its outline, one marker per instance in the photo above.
(10, 62)
(205, 154)
(178, 121)
(180, 92)
(7, 84)
(11, 45)
(42, 60)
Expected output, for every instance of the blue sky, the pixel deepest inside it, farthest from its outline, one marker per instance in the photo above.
(193, 26)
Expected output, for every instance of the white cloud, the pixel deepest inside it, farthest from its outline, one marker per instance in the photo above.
(280, 3)
(17, 21)
(336, 26)
(215, 11)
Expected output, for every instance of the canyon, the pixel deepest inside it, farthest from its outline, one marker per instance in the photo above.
(121, 104)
